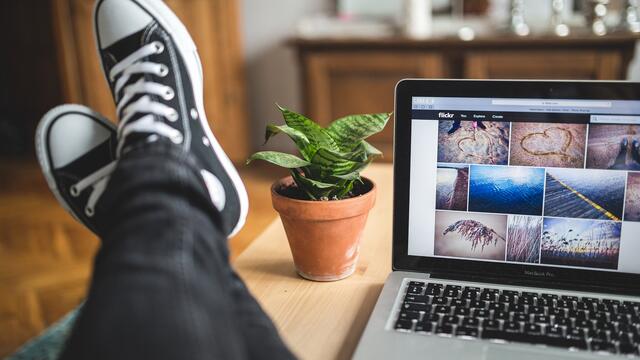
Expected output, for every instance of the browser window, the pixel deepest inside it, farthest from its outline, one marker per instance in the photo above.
(548, 182)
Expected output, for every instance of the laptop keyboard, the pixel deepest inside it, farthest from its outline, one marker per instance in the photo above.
(594, 324)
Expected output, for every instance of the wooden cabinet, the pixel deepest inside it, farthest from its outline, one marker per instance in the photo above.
(214, 27)
(346, 76)
(347, 83)
(541, 64)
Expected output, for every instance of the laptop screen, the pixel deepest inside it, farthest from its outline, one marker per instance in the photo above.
(551, 183)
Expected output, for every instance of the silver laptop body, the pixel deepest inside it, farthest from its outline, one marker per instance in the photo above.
(525, 194)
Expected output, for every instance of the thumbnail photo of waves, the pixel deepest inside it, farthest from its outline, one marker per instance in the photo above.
(470, 235)
(452, 185)
(587, 194)
(552, 145)
(473, 142)
(578, 242)
(509, 190)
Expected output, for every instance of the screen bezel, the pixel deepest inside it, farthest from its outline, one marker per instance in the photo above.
(627, 283)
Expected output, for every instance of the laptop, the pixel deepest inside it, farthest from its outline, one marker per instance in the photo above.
(516, 222)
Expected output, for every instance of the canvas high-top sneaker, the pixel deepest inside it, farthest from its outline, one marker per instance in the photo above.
(154, 72)
(76, 148)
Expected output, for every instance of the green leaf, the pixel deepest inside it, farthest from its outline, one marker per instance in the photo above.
(347, 131)
(316, 184)
(371, 150)
(346, 188)
(315, 133)
(332, 162)
(300, 139)
(362, 152)
(278, 158)
(313, 188)
(354, 175)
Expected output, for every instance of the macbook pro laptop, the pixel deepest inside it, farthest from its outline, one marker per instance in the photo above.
(516, 222)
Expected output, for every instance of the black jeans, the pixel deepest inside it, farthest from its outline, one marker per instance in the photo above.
(162, 285)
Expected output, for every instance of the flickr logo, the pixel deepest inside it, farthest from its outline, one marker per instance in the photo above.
(445, 115)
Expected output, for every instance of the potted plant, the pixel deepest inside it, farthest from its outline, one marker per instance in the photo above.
(324, 203)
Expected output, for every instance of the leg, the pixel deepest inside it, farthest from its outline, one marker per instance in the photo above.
(257, 329)
(162, 286)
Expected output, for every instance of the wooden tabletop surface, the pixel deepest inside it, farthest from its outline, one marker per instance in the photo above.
(322, 320)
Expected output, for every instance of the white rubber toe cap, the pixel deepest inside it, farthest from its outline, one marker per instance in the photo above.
(73, 135)
(117, 19)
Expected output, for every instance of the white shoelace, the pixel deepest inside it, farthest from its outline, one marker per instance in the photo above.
(129, 66)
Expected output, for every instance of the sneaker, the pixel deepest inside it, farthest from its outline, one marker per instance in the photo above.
(75, 147)
(154, 72)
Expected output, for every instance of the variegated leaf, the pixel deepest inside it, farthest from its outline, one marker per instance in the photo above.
(347, 131)
(315, 133)
(299, 138)
(278, 158)
(332, 162)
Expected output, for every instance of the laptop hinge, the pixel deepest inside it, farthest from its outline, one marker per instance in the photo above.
(574, 286)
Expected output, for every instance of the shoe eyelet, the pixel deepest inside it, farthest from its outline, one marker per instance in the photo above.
(74, 191)
(173, 116)
(177, 139)
(89, 211)
(205, 141)
(159, 47)
(194, 114)
(169, 94)
(164, 70)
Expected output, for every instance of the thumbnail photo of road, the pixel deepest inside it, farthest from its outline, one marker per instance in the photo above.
(584, 243)
(552, 145)
(474, 142)
(587, 194)
(452, 186)
(613, 147)
(523, 238)
(469, 235)
(632, 202)
(509, 190)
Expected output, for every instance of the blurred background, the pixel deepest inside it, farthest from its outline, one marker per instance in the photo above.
(325, 58)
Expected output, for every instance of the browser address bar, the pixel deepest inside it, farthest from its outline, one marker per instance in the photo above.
(550, 102)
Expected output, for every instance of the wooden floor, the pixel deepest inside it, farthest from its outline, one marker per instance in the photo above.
(46, 256)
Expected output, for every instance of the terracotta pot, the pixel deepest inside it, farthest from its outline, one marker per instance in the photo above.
(324, 236)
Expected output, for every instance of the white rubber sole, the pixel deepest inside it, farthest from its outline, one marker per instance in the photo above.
(41, 150)
(187, 48)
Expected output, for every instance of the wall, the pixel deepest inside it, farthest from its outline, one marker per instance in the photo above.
(272, 74)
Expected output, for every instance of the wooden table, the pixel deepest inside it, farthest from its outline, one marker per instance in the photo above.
(322, 320)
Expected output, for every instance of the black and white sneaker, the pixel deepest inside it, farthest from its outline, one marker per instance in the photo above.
(76, 147)
(154, 72)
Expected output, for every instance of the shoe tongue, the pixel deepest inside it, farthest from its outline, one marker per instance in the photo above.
(119, 51)
(124, 47)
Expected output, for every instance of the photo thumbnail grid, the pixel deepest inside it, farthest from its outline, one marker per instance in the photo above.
(535, 192)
